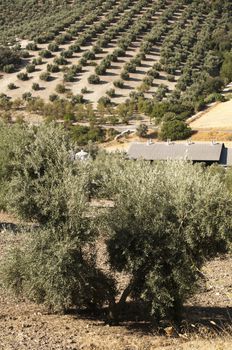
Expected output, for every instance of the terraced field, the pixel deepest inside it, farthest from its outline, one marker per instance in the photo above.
(144, 46)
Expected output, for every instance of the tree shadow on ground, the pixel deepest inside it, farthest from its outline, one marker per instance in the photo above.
(110, 74)
(134, 79)
(135, 317)
(195, 318)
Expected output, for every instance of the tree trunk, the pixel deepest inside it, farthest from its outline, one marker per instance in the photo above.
(115, 309)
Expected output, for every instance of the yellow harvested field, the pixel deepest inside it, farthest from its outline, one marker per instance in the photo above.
(218, 117)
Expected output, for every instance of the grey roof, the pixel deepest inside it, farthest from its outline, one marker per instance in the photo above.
(201, 152)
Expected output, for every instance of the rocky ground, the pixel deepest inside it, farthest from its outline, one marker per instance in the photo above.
(208, 320)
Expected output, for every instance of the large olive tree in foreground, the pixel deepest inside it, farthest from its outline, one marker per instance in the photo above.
(167, 219)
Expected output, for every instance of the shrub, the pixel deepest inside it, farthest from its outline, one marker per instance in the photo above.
(8, 57)
(84, 90)
(37, 61)
(100, 70)
(215, 97)
(157, 66)
(75, 48)
(9, 68)
(60, 61)
(171, 77)
(69, 76)
(32, 46)
(89, 55)
(26, 96)
(35, 86)
(226, 69)
(104, 101)
(175, 130)
(148, 80)
(53, 47)
(53, 68)
(94, 79)
(24, 54)
(154, 73)
(30, 68)
(119, 84)
(77, 99)
(83, 61)
(125, 75)
(142, 130)
(75, 69)
(111, 93)
(60, 89)
(97, 49)
(53, 97)
(67, 54)
(22, 76)
(12, 86)
(45, 54)
(46, 76)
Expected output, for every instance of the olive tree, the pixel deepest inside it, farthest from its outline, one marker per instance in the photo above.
(167, 220)
(57, 263)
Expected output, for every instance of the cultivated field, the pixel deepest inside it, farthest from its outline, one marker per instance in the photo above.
(218, 117)
(147, 33)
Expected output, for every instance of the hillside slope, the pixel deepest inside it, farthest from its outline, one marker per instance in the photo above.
(155, 48)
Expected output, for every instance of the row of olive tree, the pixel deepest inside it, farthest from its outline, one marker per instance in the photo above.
(160, 228)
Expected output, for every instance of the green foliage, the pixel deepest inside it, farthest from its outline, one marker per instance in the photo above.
(111, 93)
(53, 47)
(104, 101)
(32, 46)
(12, 138)
(60, 88)
(8, 57)
(12, 86)
(77, 99)
(175, 130)
(53, 68)
(67, 54)
(83, 134)
(142, 130)
(27, 96)
(9, 68)
(226, 69)
(37, 61)
(45, 76)
(182, 110)
(60, 61)
(22, 76)
(57, 265)
(119, 84)
(163, 227)
(93, 79)
(45, 54)
(35, 87)
(30, 68)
